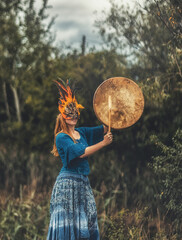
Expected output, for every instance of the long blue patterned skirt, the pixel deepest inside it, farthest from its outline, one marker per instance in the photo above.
(73, 213)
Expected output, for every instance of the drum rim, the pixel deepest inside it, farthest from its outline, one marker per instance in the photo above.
(134, 84)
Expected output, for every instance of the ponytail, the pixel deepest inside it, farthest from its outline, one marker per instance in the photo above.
(60, 126)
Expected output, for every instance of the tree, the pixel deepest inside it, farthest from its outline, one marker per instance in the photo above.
(23, 41)
(147, 33)
(154, 62)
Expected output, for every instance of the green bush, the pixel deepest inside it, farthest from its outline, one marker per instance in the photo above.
(168, 168)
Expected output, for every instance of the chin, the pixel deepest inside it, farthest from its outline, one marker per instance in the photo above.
(72, 121)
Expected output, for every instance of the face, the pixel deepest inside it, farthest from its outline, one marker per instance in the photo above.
(71, 111)
(72, 122)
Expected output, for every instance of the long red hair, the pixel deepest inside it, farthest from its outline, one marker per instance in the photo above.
(60, 126)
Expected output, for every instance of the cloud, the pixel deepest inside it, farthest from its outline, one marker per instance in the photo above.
(67, 25)
(66, 10)
(75, 18)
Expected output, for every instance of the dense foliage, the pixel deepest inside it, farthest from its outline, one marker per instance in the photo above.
(132, 179)
(168, 168)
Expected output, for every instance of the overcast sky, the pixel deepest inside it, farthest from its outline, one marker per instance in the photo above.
(75, 18)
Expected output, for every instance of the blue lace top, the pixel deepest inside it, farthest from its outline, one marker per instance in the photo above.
(70, 151)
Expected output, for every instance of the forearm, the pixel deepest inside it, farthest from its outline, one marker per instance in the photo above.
(92, 149)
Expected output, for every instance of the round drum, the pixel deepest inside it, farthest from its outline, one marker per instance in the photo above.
(127, 102)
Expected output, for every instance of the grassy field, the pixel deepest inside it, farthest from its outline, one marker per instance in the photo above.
(27, 217)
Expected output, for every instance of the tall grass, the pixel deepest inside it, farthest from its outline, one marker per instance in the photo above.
(24, 219)
(28, 217)
(27, 181)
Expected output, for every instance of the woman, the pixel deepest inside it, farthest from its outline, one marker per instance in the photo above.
(72, 206)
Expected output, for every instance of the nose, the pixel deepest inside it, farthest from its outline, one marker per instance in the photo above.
(75, 118)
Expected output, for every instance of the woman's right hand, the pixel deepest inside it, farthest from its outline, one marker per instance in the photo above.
(108, 138)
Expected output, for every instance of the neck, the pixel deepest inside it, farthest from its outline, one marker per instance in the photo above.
(71, 128)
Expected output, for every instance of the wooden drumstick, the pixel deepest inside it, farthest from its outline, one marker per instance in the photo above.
(109, 103)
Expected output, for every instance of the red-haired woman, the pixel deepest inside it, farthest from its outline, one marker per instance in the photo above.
(73, 213)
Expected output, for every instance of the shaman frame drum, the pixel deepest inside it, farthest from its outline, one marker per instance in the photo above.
(127, 102)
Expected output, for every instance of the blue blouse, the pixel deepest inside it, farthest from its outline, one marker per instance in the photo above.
(70, 151)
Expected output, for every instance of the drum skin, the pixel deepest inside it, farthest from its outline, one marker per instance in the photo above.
(127, 102)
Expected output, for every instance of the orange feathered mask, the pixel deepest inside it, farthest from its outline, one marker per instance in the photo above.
(67, 105)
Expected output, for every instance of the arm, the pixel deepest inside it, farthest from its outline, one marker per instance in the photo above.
(67, 149)
(94, 148)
